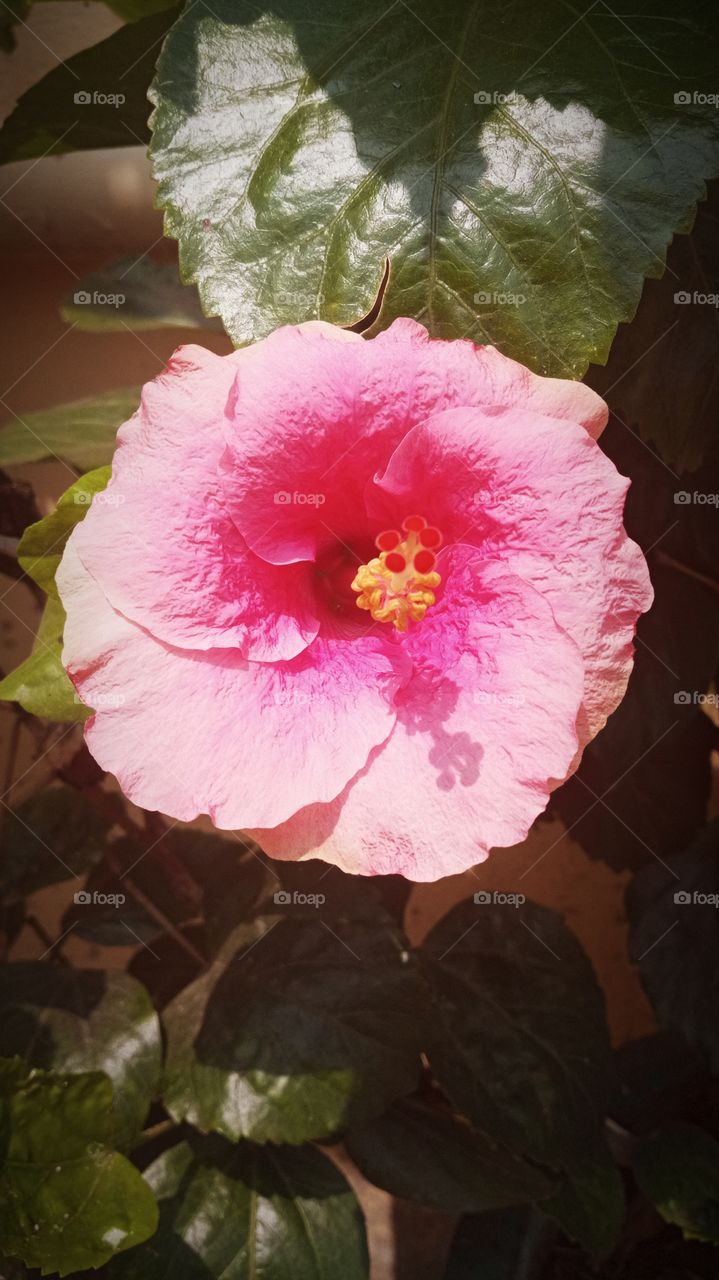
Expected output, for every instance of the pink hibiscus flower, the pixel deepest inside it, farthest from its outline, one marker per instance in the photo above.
(258, 499)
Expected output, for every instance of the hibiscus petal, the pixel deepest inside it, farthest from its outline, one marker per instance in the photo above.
(190, 732)
(540, 497)
(160, 541)
(316, 411)
(466, 374)
(485, 729)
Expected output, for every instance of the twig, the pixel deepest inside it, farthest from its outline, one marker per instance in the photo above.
(152, 910)
(670, 563)
(51, 944)
(155, 1131)
(12, 756)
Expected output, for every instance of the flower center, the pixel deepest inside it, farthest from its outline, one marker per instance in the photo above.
(397, 586)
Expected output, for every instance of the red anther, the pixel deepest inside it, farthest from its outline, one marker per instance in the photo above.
(430, 537)
(413, 524)
(395, 562)
(423, 561)
(388, 540)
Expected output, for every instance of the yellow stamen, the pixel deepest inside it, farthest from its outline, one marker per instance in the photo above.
(395, 594)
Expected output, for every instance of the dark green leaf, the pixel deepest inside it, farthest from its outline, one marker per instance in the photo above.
(12, 922)
(676, 327)
(589, 1205)
(136, 294)
(11, 12)
(134, 10)
(40, 684)
(658, 1076)
(677, 1168)
(519, 1040)
(68, 1200)
(249, 1213)
(425, 1154)
(295, 1032)
(167, 968)
(234, 878)
(18, 507)
(97, 916)
(97, 98)
(76, 1020)
(643, 784)
(82, 433)
(42, 544)
(674, 916)
(522, 184)
(657, 514)
(505, 1245)
(52, 836)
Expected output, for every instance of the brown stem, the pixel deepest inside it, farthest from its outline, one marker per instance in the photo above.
(173, 868)
(113, 810)
(152, 910)
(155, 1131)
(12, 757)
(670, 563)
(621, 1142)
(51, 944)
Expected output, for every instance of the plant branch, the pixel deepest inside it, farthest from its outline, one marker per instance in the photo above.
(670, 563)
